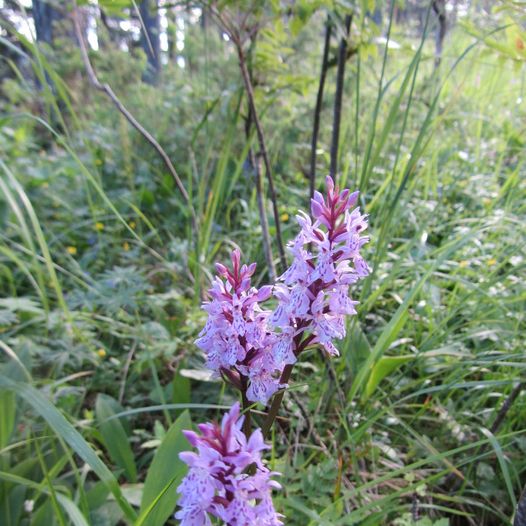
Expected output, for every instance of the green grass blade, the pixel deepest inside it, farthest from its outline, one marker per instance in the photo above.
(159, 496)
(70, 435)
(115, 437)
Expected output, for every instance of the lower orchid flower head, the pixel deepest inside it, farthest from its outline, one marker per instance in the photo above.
(227, 478)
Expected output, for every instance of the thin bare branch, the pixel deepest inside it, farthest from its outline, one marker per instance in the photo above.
(106, 88)
(505, 407)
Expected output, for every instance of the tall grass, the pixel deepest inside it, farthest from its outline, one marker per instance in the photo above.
(104, 278)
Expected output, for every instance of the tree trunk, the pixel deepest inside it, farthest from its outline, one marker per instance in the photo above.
(150, 39)
(171, 33)
(439, 7)
(44, 14)
(317, 109)
(340, 75)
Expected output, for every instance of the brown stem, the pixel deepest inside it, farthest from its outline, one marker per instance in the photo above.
(300, 346)
(263, 149)
(503, 411)
(451, 480)
(276, 402)
(317, 109)
(340, 75)
(520, 514)
(106, 88)
(247, 423)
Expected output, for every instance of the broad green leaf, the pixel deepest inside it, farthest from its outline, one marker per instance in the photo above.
(70, 435)
(164, 475)
(114, 435)
(181, 389)
(12, 507)
(145, 515)
(382, 368)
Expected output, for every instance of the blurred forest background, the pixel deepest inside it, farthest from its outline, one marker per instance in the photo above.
(141, 140)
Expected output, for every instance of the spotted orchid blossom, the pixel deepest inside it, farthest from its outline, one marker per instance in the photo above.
(236, 323)
(254, 348)
(250, 346)
(314, 295)
(227, 478)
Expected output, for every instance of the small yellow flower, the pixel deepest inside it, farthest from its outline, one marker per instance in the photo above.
(132, 225)
(71, 250)
(98, 162)
(463, 264)
(99, 226)
(284, 217)
(101, 353)
(126, 246)
(492, 262)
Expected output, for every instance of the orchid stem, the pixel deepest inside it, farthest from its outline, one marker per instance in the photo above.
(276, 403)
(247, 423)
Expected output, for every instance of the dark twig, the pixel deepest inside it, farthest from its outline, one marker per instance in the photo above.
(503, 411)
(520, 515)
(335, 386)
(453, 478)
(106, 88)
(317, 109)
(340, 75)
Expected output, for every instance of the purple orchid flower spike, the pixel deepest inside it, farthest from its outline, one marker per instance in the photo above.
(219, 482)
(237, 338)
(315, 294)
(250, 346)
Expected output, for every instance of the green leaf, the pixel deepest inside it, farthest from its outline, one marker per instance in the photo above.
(383, 367)
(114, 435)
(75, 515)
(503, 462)
(388, 335)
(7, 416)
(160, 495)
(181, 389)
(70, 435)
